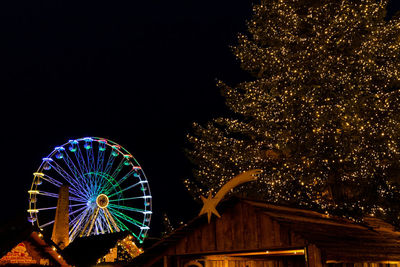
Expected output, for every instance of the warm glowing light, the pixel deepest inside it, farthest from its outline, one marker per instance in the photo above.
(271, 252)
(319, 115)
(102, 201)
(33, 210)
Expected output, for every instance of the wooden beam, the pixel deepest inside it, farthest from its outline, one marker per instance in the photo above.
(226, 252)
(296, 218)
(287, 209)
(314, 257)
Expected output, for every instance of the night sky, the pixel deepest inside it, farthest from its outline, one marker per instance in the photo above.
(136, 72)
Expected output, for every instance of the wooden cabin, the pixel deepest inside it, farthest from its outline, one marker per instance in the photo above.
(256, 234)
(29, 248)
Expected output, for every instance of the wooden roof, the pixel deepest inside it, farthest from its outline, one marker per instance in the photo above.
(250, 224)
(20, 231)
(338, 238)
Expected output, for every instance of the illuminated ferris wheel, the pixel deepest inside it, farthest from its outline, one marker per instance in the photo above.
(108, 190)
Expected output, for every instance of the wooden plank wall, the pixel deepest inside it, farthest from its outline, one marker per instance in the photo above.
(362, 264)
(222, 261)
(239, 228)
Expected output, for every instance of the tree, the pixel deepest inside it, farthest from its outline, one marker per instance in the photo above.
(321, 115)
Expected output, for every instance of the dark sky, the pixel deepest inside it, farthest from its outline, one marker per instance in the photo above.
(136, 72)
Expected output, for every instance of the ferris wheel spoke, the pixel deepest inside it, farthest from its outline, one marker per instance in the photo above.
(118, 169)
(96, 228)
(71, 165)
(122, 225)
(129, 198)
(123, 190)
(92, 221)
(44, 193)
(110, 187)
(126, 218)
(58, 184)
(75, 171)
(81, 200)
(129, 209)
(88, 221)
(101, 224)
(101, 220)
(110, 162)
(46, 224)
(51, 180)
(77, 224)
(83, 167)
(77, 205)
(89, 155)
(49, 208)
(107, 212)
(66, 176)
(80, 160)
(100, 155)
(76, 194)
(74, 219)
(83, 209)
(107, 224)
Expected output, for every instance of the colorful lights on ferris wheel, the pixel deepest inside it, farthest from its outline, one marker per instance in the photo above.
(73, 145)
(102, 144)
(88, 143)
(108, 189)
(115, 150)
(60, 150)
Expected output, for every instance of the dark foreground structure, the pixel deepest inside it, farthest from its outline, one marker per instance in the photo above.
(255, 234)
(248, 234)
(22, 245)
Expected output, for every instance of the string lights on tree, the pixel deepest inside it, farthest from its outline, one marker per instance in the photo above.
(321, 116)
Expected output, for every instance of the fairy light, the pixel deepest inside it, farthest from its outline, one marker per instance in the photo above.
(320, 116)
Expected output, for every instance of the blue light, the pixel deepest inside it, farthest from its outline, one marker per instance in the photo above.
(87, 146)
(73, 145)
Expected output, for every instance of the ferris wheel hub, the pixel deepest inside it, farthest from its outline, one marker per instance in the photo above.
(102, 201)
